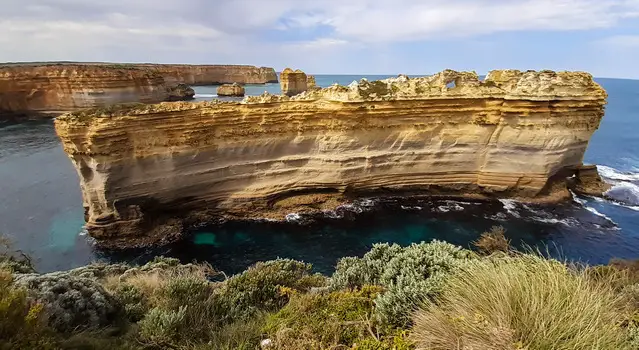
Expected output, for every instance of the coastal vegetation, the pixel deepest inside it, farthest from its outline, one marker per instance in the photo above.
(429, 295)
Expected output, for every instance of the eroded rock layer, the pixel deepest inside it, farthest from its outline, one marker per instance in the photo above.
(42, 89)
(148, 171)
(52, 89)
(213, 74)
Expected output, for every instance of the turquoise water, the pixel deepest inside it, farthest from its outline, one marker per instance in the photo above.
(41, 207)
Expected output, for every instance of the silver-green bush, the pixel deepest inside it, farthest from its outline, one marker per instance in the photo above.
(408, 274)
(71, 302)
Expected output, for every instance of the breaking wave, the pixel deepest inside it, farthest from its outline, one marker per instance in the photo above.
(204, 95)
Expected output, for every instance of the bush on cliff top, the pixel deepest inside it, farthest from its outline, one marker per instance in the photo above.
(408, 275)
(525, 302)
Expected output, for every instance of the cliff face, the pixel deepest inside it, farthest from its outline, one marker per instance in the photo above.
(293, 82)
(148, 171)
(212, 74)
(26, 90)
(50, 88)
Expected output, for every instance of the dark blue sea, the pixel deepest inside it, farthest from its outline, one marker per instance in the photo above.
(41, 207)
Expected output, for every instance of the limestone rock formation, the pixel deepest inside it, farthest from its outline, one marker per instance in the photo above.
(212, 74)
(180, 92)
(293, 82)
(230, 90)
(48, 89)
(310, 82)
(52, 89)
(149, 171)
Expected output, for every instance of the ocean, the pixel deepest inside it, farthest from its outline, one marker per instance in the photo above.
(41, 207)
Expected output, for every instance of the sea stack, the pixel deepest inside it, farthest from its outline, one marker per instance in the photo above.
(293, 82)
(149, 172)
(230, 90)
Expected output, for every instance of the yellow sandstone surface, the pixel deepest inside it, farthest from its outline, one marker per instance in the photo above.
(149, 171)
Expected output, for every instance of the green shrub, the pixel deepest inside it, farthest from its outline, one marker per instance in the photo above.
(397, 341)
(71, 303)
(133, 301)
(259, 287)
(323, 320)
(162, 328)
(408, 275)
(524, 302)
(21, 322)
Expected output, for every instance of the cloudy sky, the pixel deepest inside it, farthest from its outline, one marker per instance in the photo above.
(331, 36)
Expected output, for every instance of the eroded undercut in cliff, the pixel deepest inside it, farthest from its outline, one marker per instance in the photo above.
(158, 169)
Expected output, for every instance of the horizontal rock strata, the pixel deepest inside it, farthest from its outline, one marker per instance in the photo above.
(42, 89)
(148, 171)
(32, 90)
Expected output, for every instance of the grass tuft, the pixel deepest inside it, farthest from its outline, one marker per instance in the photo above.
(524, 302)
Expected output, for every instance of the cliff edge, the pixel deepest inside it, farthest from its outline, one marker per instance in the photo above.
(149, 171)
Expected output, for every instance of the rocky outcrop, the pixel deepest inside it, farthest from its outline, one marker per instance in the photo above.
(293, 82)
(230, 90)
(47, 89)
(310, 82)
(180, 92)
(149, 171)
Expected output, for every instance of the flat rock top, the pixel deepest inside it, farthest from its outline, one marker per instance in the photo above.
(449, 84)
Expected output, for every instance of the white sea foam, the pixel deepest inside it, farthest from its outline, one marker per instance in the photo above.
(411, 207)
(599, 214)
(624, 192)
(577, 199)
(510, 206)
(614, 174)
(293, 217)
(204, 95)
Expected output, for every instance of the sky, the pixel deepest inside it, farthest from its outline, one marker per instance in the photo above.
(331, 36)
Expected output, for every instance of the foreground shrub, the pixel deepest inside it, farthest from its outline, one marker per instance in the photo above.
(407, 274)
(21, 323)
(493, 241)
(163, 328)
(71, 303)
(259, 287)
(521, 303)
(323, 320)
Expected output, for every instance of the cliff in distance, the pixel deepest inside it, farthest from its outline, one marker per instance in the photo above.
(36, 89)
(149, 171)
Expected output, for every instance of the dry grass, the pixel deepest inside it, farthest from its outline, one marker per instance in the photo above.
(523, 302)
(493, 241)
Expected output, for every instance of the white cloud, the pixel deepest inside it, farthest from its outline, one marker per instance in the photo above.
(262, 32)
(621, 42)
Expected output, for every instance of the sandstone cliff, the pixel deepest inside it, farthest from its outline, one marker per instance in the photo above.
(293, 82)
(51, 89)
(148, 171)
(40, 89)
(212, 74)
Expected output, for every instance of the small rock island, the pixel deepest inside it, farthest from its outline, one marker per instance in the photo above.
(148, 172)
(234, 89)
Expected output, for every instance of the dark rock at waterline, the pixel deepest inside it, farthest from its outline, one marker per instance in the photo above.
(180, 92)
